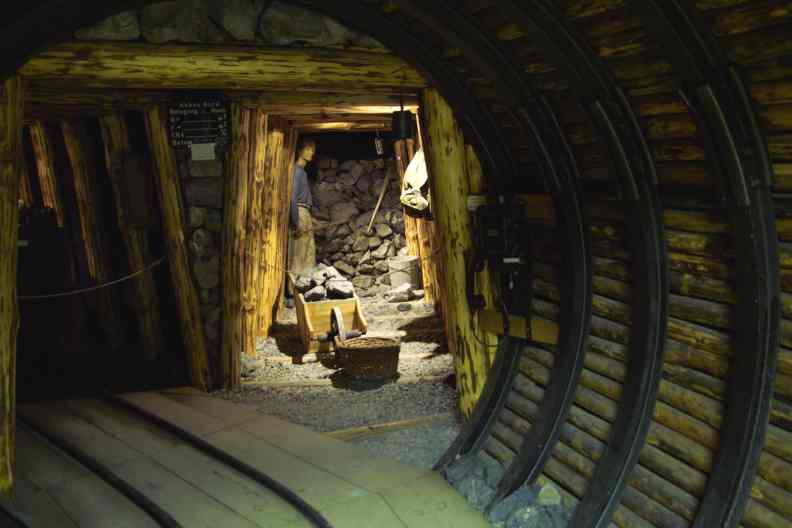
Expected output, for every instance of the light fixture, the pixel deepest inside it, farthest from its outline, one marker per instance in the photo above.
(402, 124)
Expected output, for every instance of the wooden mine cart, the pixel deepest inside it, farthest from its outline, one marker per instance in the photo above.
(317, 325)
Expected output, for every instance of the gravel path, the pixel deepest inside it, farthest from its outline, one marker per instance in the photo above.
(420, 446)
(330, 409)
(424, 355)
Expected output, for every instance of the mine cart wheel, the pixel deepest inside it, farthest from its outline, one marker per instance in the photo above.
(337, 324)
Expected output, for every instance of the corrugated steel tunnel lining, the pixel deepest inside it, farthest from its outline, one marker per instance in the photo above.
(660, 405)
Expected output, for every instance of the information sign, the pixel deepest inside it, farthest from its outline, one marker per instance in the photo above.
(199, 121)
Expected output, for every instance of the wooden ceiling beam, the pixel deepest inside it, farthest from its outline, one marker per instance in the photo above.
(344, 126)
(47, 102)
(213, 67)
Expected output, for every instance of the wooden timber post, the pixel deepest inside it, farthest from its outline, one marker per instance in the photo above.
(237, 259)
(421, 236)
(11, 115)
(447, 162)
(44, 152)
(25, 188)
(284, 168)
(405, 150)
(83, 164)
(429, 238)
(256, 208)
(118, 153)
(278, 151)
(169, 191)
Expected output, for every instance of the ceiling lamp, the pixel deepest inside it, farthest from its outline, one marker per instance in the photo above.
(403, 122)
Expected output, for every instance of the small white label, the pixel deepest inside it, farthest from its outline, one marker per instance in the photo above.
(512, 260)
(22, 243)
(202, 151)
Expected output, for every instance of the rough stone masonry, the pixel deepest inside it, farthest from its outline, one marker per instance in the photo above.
(345, 195)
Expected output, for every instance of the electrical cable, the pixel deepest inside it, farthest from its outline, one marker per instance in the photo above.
(95, 287)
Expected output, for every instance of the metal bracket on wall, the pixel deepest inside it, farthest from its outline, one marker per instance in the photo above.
(736, 150)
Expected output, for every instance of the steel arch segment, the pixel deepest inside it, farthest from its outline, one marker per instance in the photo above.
(620, 129)
(538, 119)
(737, 150)
(576, 291)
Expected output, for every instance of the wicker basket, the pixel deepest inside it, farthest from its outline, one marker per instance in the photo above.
(369, 358)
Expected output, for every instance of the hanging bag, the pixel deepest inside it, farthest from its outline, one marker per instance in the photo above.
(413, 186)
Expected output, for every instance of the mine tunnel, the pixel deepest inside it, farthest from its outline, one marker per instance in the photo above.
(601, 243)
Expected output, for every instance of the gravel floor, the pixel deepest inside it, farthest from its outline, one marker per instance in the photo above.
(420, 446)
(424, 356)
(330, 409)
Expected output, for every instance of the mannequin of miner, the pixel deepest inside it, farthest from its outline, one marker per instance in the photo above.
(302, 256)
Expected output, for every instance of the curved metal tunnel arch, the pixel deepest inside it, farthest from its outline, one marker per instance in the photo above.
(750, 203)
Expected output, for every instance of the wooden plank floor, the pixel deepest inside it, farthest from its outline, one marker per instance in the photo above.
(54, 490)
(348, 485)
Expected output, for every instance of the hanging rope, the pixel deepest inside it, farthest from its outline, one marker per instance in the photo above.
(93, 288)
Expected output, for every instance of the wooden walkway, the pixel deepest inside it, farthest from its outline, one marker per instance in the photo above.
(349, 486)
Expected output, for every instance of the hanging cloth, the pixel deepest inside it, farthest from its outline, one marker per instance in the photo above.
(415, 178)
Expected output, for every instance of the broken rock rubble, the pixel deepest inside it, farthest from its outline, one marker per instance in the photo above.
(324, 282)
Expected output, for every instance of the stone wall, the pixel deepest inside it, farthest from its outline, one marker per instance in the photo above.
(216, 21)
(345, 195)
(202, 188)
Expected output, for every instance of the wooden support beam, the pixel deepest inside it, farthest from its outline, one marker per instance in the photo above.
(542, 330)
(289, 158)
(92, 224)
(122, 164)
(405, 151)
(419, 232)
(365, 431)
(169, 192)
(448, 168)
(44, 152)
(275, 174)
(45, 102)
(325, 103)
(11, 111)
(25, 188)
(241, 244)
(322, 126)
(429, 238)
(169, 66)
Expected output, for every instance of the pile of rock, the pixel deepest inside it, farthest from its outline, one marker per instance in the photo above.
(345, 196)
(215, 21)
(530, 506)
(322, 283)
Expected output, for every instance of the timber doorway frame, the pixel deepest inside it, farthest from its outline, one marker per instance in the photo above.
(484, 132)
